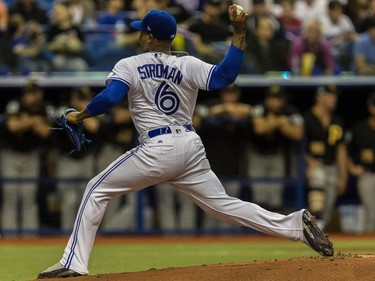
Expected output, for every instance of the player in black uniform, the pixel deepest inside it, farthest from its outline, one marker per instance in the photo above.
(326, 154)
(362, 161)
(25, 132)
(277, 126)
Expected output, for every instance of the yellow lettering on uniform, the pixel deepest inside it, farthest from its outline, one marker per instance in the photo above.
(317, 148)
(367, 156)
(334, 134)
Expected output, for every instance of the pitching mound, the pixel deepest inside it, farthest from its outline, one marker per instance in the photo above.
(340, 267)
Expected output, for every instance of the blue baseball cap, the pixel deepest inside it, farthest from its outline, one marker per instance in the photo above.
(160, 24)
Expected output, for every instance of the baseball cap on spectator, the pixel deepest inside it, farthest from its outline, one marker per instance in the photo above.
(230, 88)
(83, 93)
(276, 92)
(160, 24)
(328, 89)
(31, 87)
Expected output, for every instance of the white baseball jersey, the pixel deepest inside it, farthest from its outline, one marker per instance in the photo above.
(163, 88)
(163, 93)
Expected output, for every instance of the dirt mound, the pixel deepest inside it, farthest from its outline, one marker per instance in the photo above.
(341, 267)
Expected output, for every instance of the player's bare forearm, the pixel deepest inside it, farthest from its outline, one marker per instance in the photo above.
(239, 41)
(293, 132)
(78, 116)
(342, 160)
(239, 23)
(264, 125)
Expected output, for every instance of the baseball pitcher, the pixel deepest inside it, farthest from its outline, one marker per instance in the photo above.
(162, 91)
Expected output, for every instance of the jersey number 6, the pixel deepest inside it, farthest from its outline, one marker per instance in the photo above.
(165, 100)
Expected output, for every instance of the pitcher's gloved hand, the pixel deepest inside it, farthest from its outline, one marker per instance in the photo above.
(74, 131)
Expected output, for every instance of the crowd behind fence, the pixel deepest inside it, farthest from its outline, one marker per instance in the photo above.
(298, 37)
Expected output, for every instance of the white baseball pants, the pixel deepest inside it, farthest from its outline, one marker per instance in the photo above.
(180, 159)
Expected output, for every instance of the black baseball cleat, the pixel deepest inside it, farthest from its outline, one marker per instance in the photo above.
(314, 237)
(58, 271)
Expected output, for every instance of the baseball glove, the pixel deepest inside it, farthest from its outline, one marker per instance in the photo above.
(74, 131)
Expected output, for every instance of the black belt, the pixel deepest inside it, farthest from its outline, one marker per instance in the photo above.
(167, 130)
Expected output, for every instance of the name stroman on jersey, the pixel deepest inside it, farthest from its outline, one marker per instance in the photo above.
(160, 71)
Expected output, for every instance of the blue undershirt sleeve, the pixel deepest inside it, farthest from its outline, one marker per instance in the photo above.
(227, 71)
(106, 99)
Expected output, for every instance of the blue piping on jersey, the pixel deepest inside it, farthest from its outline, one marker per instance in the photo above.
(116, 79)
(100, 180)
(209, 77)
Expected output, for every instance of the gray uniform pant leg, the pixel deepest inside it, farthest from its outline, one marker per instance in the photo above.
(20, 166)
(366, 190)
(324, 178)
(331, 172)
(267, 166)
(71, 192)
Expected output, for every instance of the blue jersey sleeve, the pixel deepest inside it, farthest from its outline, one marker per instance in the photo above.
(227, 71)
(106, 99)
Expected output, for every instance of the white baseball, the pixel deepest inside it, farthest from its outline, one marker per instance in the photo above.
(239, 9)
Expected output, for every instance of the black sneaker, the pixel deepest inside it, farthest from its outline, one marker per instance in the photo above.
(314, 237)
(58, 271)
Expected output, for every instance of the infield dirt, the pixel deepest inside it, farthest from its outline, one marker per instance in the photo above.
(339, 268)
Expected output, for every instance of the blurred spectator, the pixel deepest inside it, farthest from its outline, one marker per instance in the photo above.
(273, 5)
(7, 58)
(363, 17)
(74, 167)
(364, 51)
(65, 41)
(99, 5)
(311, 54)
(117, 135)
(308, 10)
(362, 162)
(265, 52)
(129, 36)
(289, 22)
(326, 155)
(113, 14)
(260, 8)
(3, 16)
(223, 124)
(28, 44)
(339, 30)
(356, 10)
(82, 11)
(27, 129)
(208, 30)
(180, 13)
(29, 10)
(277, 126)
(190, 5)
